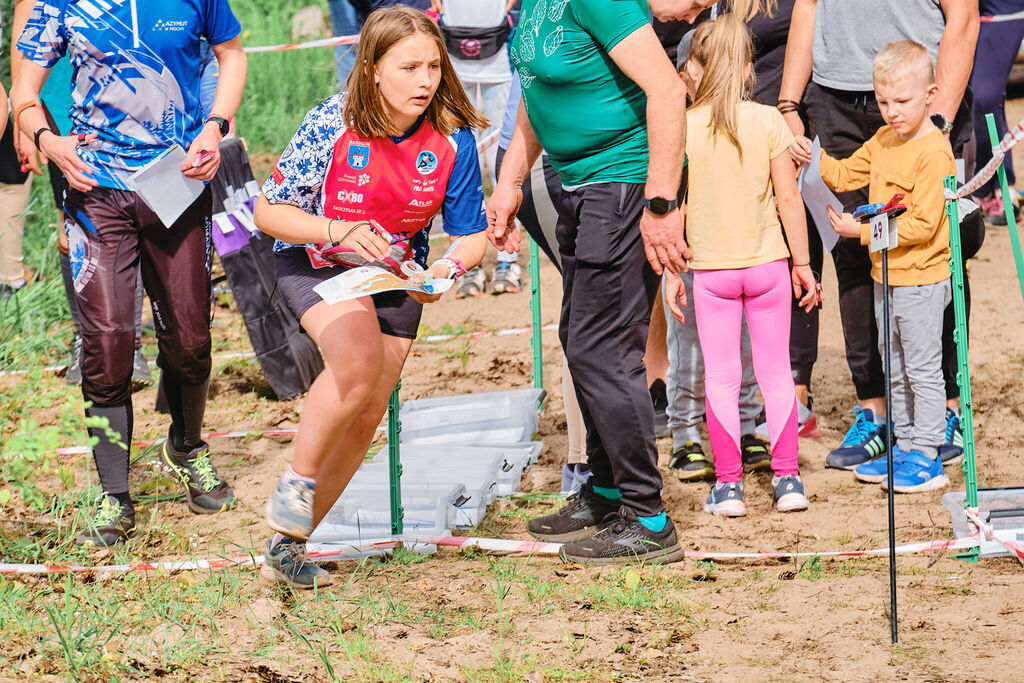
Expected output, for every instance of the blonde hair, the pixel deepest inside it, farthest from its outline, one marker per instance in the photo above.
(748, 9)
(903, 59)
(723, 48)
(364, 108)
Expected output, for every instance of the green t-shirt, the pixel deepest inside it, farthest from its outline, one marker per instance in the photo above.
(589, 116)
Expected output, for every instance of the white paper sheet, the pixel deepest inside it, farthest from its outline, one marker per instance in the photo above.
(817, 196)
(369, 280)
(164, 188)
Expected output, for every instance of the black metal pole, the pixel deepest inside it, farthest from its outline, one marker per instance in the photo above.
(887, 352)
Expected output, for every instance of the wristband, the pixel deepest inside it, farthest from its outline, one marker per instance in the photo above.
(35, 137)
(800, 265)
(455, 267)
(789, 102)
(329, 237)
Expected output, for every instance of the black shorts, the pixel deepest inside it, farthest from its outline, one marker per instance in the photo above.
(398, 313)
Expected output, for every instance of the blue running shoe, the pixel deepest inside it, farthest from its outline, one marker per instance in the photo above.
(918, 473)
(877, 470)
(865, 441)
(951, 451)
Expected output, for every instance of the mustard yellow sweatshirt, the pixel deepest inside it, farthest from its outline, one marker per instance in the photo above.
(916, 168)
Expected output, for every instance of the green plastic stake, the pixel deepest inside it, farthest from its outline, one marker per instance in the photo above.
(1011, 218)
(394, 462)
(963, 373)
(535, 341)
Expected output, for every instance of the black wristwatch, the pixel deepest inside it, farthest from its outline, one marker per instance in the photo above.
(222, 123)
(942, 123)
(659, 206)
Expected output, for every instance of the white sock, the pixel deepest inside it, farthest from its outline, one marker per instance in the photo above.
(291, 475)
(879, 419)
(276, 539)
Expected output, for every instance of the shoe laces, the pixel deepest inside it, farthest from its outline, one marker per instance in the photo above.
(208, 478)
(952, 425)
(861, 429)
(108, 513)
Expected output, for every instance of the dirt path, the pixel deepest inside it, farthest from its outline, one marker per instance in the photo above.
(463, 616)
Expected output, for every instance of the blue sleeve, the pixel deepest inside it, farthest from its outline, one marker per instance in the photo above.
(43, 41)
(219, 22)
(464, 197)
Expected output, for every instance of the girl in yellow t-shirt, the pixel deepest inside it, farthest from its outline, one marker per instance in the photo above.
(739, 171)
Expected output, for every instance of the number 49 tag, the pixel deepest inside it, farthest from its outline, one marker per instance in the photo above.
(884, 233)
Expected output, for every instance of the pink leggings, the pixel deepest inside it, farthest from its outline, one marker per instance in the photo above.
(720, 298)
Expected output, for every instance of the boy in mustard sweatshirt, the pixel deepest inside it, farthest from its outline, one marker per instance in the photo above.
(909, 155)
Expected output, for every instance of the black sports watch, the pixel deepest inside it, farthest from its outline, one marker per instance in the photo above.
(659, 206)
(222, 123)
(942, 123)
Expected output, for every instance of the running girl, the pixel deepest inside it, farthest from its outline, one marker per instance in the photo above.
(739, 171)
(360, 182)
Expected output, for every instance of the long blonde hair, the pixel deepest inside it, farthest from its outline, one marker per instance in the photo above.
(748, 9)
(364, 108)
(724, 49)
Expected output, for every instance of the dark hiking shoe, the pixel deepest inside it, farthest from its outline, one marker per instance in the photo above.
(292, 565)
(141, 376)
(112, 524)
(73, 376)
(581, 516)
(659, 399)
(690, 464)
(624, 540)
(755, 454)
(206, 492)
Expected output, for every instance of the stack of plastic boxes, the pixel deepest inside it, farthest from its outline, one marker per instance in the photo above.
(457, 453)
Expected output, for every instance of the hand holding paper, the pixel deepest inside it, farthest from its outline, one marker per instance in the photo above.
(370, 280)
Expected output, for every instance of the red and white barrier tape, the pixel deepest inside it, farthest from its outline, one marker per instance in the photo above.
(553, 327)
(85, 450)
(489, 544)
(1009, 141)
(998, 18)
(989, 533)
(323, 42)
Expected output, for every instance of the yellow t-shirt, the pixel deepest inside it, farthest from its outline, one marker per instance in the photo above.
(730, 211)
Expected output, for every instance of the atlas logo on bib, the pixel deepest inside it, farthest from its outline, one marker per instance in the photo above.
(426, 162)
(421, 203)
(358, 155)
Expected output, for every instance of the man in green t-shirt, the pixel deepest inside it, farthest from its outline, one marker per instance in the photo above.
(600, 95)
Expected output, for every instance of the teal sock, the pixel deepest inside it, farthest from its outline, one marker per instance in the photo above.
(656, 523)
(610, 494)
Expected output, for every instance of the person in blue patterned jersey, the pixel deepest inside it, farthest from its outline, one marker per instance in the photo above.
(135, 86)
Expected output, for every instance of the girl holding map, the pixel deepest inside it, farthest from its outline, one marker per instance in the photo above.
(359, 184)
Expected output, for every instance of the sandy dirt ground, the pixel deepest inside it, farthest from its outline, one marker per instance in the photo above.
(735, 621)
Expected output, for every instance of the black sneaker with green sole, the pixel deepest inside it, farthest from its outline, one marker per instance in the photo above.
(690, 464)
(755, 454)
(205, 491)
(113, 523)
(624, 540)
(580, 517)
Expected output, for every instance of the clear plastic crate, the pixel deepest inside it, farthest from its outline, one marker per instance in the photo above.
(1003, 508)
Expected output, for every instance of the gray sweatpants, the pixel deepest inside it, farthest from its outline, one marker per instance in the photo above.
(918, 390)
(685, 381)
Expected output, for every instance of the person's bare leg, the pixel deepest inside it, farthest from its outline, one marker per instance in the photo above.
(803, 392)
(875, 405)
(341, 461)
(656, 354)
(350, 339)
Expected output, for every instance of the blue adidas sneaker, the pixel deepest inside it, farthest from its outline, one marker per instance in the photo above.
(877, 470)
(864, 442)
(951, 451)
(918, 473)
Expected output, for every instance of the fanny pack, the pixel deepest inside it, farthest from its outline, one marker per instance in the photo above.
(474, 42)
